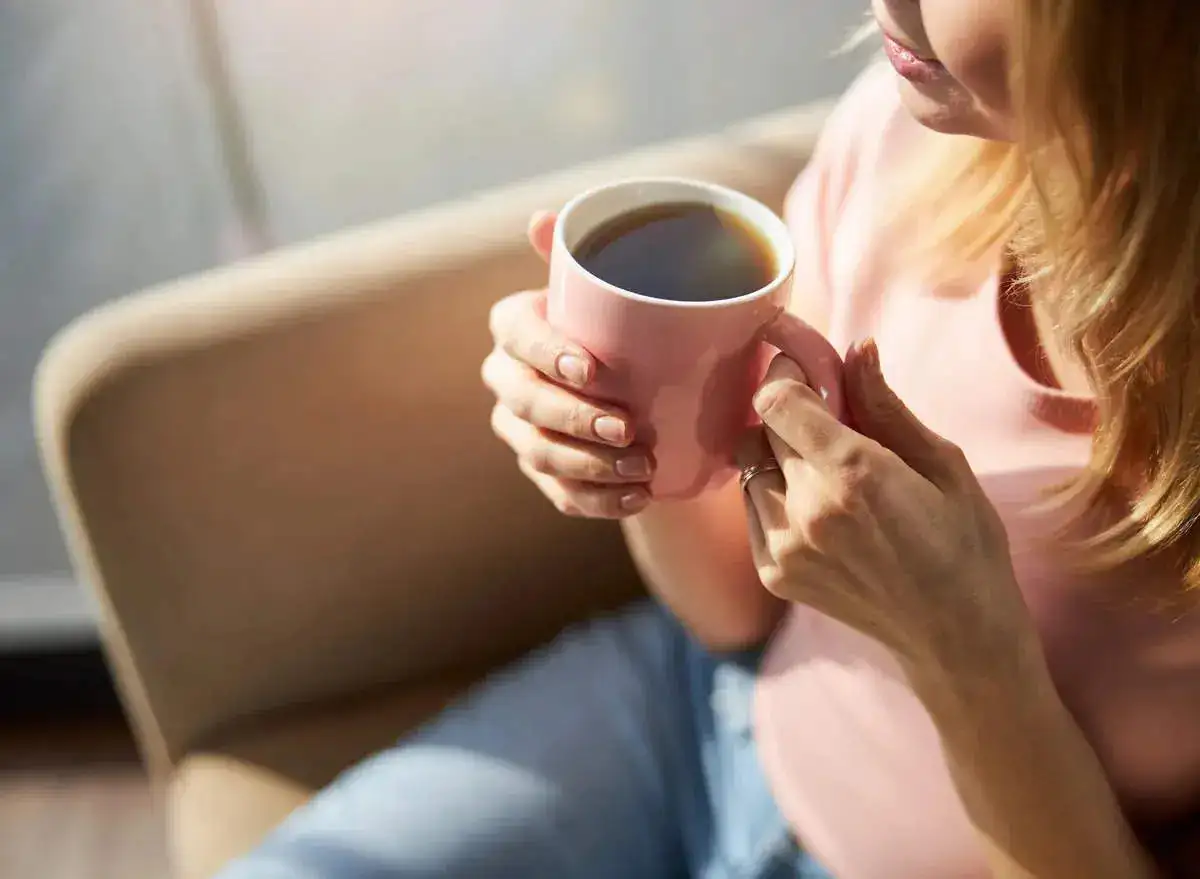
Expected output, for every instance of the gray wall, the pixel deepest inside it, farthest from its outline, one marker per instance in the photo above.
(113, 175)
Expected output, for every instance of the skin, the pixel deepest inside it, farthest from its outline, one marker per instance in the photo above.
(969, 39)
(884, 527)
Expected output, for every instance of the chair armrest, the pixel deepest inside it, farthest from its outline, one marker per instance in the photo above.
(278, 479)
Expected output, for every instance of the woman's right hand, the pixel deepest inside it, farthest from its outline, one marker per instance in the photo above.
(580, 452)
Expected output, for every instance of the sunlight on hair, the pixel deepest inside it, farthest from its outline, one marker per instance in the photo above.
(1098, 203)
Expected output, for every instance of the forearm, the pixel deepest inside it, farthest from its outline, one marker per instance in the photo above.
(695, 556)
(1031, 783)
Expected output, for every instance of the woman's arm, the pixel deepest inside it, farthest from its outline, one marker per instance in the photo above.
(1029, 780)
(695, 556)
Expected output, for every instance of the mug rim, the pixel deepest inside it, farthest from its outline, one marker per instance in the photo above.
(747, 208)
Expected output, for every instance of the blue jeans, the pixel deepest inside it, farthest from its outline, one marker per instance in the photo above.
(620, 751)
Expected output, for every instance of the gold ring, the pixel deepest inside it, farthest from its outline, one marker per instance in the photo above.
(748, 473)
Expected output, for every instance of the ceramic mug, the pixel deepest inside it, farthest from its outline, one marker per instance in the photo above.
(685, 371)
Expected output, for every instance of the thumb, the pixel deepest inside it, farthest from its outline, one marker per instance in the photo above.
(541, 232)
(880, 414)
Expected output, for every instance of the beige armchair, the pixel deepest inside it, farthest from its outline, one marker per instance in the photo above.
(278, 481)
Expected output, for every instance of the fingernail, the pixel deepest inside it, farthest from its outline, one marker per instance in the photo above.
(611, 429)
(572, 368)
(634, 467)
(634, 501)
(870, 354)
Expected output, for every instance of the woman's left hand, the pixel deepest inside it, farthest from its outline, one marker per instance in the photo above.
(883, 527)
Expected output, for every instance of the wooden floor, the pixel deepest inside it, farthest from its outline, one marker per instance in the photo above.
(74, 803)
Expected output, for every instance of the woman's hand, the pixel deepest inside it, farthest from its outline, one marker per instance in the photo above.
(883, 527)
(579, 452)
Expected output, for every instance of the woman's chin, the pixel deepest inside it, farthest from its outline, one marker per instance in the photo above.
(949, 109)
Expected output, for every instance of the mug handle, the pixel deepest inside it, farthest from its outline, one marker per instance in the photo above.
(820, 361)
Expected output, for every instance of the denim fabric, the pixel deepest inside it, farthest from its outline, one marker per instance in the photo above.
(620, 751)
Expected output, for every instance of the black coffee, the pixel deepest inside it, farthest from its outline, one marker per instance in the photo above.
(686, 252)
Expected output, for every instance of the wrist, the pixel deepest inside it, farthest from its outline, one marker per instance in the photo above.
(999, 685)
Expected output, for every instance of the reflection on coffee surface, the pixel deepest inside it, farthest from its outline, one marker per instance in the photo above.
(686, 252)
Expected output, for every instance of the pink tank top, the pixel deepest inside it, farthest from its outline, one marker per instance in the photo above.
(854, 761)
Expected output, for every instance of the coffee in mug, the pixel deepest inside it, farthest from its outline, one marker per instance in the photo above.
(682, 252)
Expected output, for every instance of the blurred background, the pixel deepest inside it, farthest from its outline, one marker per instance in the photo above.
(142, 141)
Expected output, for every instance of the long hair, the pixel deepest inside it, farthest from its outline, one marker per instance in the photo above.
(1098, 200)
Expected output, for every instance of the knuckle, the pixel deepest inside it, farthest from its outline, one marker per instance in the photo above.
(835, 509)
(567, 505)
(851, 454)
(492, 370)
(578, 420)
(858, 468)
(507, 313)
(510, 346)
(780, 546)
(596, 468)
(542, 353)
(519, 349)
(500, 317)
(858, 484)
(608, 505)
(501, 423)
(773, 580)
(954, 455)
(770, 398)
(777, 369)
(522, 406)
(533, 476)
(540, 458)
(886, 404)
(818, 531)
(826, 519)
(792, 557)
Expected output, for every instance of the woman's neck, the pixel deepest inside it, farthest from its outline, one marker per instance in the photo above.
(1029, 325)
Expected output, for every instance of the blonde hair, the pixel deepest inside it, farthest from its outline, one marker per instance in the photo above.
(1099, 202)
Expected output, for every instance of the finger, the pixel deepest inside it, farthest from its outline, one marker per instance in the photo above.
(564, 458)
(880, 414)
(760, 544)
(794, 411)
(790, 462)
(817, 358)
(807, 486)
(766, 507)
(531, 398)
(541, 233)
(519, 326)
(766, 491)
(760, 547)
(795, 567)
(587, 500)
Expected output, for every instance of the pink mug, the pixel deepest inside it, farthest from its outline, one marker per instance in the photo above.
(685, 371)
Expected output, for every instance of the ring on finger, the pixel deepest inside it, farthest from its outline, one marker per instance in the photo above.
(749, 473)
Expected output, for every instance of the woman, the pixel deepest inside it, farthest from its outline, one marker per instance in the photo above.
(960, 678)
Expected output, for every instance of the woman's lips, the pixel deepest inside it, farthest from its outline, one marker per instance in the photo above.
(910, 65)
